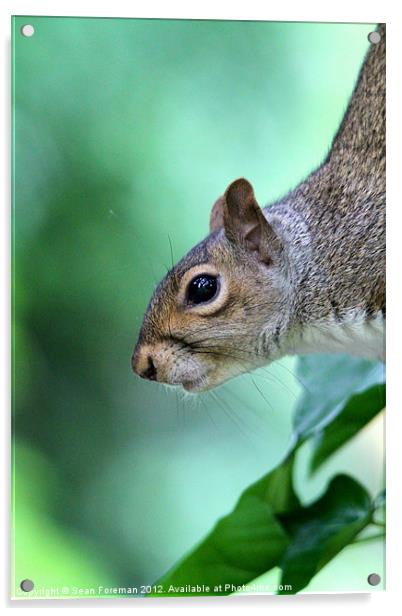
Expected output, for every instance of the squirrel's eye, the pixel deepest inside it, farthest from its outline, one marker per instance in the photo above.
(203, 288)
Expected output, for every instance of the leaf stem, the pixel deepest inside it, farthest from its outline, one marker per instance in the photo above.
(371, 538)
(378, 523)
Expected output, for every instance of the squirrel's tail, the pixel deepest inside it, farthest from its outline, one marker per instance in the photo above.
(362, 132)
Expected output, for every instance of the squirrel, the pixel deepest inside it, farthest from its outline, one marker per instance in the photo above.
(305, 274)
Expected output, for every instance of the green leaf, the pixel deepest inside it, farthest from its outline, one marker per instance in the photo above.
(242, 545)
(357, 412)
(277, 487)
(380, 500)
(379, 509)
(320, 531)
(329, 381)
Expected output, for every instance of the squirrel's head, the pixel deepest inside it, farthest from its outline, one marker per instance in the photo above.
(218, 312)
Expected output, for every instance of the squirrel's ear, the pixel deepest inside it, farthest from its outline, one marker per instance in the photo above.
(245, 223)
(216, 217)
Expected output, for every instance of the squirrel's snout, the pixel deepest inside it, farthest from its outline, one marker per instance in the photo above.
(163, 362)
(143, 365)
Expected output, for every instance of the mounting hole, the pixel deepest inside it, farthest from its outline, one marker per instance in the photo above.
(374, 37)
(27, 30)
(27, 585)
(374, 579)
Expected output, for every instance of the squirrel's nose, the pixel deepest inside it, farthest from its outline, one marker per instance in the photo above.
(150, 371)
(143, 365)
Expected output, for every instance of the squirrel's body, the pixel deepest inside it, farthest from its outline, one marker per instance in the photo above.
(337, 219)
(306, 274)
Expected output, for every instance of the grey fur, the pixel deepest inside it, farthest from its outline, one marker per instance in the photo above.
(343, 207)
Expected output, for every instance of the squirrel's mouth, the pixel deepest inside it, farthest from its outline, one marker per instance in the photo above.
(195, 385)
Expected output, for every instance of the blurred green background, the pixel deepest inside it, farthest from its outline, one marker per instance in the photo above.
(125, 133)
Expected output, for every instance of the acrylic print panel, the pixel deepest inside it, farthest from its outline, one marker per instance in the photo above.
(126, 132)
